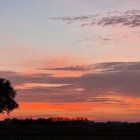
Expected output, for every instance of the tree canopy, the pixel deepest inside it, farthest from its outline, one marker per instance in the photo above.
(7, 96)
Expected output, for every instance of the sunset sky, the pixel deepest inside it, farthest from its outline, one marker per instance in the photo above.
(72, 58)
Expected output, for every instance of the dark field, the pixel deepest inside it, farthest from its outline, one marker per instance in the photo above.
(48, 129)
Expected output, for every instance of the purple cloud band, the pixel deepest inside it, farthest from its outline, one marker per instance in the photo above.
(114, 78)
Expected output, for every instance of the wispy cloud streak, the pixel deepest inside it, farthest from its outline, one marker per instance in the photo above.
(129, 18)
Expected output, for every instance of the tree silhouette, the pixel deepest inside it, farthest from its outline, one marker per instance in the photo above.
(7, 95)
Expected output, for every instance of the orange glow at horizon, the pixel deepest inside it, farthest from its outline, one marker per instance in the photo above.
(91, 110)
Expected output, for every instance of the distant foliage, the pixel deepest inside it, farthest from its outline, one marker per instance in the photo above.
(60, 126)
(60, 121)
(7, 96)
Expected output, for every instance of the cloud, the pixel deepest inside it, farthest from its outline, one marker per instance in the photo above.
(103, 81)
(118, 66)
(106, 66)
(129, 18)
(71, 68)
(103, 39)
(18, 78)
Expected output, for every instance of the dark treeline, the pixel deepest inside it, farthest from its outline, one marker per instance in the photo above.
(67, 127)
(65, 121)
(49, 121)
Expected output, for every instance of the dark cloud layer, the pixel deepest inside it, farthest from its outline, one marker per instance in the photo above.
(113, 78)
(129, 18)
